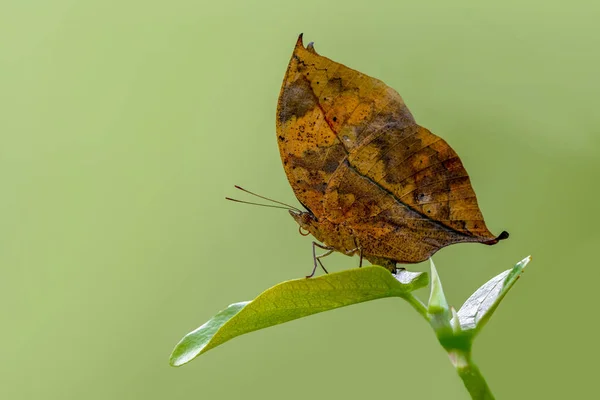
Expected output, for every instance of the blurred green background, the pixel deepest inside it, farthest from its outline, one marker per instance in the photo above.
(124, 124)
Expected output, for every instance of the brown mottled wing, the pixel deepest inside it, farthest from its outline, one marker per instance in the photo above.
(354, 155)
(423, 173)
(325, 111)
(384, 226)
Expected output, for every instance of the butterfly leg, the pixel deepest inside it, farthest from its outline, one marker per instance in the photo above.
(317, 258)
(361, 258)
(360, 250)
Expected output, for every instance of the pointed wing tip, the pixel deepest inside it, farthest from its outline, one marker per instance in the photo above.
(300, 45)
(502, 236)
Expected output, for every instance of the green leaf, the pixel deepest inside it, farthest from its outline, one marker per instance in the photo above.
(478, 308)
(437, 299)
(296, 299)
(438, 310)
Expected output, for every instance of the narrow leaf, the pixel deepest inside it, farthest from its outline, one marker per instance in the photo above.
(478, 308)
(437, 300)
(296, 299)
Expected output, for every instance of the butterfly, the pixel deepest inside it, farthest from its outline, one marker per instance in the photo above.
(372, 181)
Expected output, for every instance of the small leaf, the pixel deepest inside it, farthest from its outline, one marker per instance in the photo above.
(438, 310)
(478, 308)
(437, 299)
(296, 299)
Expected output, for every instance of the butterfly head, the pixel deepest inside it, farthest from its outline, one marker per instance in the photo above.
(307, 221)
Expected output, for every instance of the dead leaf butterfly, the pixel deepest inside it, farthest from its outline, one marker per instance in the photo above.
(372, 181)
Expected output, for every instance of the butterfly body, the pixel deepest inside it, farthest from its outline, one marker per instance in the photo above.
(372, 180)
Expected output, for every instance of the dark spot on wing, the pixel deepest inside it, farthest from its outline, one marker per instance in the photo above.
(331, 165)
(296, 100)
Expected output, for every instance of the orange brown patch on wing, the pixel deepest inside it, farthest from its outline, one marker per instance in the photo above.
(357, 160)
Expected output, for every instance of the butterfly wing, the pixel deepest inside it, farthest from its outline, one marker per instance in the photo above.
(388, 228)
(324, 111)
(424, 174)
(354, 154)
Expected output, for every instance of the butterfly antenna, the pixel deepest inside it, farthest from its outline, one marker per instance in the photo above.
(265, 198)
(256, 204)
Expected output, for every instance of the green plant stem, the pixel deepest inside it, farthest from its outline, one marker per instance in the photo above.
(417, 305)
(461, 359)
(470, 374)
